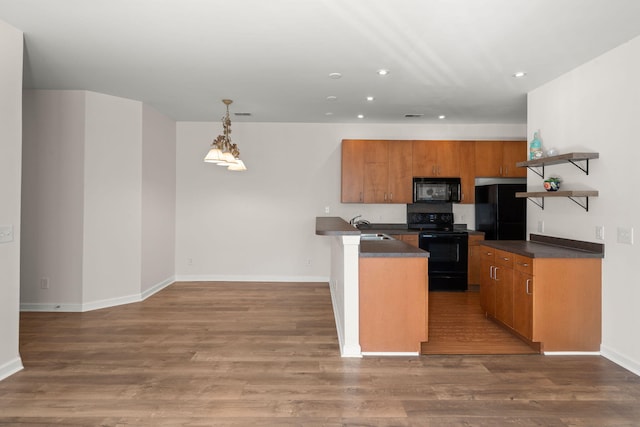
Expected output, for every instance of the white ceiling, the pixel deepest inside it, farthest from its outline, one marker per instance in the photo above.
(274, 57)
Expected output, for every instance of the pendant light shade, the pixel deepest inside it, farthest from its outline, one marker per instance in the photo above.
(222, 151)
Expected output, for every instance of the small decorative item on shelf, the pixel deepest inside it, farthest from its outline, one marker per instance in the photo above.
(551, 152)
(552, 184)
(535, 147)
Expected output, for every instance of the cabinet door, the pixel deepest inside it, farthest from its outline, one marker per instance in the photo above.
(376, 182)
(503, 278)
(400, 172)
(488, 158)
(487, 284)
(467, 162)
(352, 171)
(513, 152)
(523, 304)
(424, 158)
(475, 258)
(448, 154)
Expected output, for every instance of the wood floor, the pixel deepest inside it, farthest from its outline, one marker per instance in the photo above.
(266, 354)
(457, 325)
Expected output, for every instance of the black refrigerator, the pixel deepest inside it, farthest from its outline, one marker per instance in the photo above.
(499, 213)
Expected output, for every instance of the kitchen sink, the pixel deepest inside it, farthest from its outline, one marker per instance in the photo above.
(376, 236)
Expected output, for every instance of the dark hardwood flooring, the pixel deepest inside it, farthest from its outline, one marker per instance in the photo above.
(266, 354)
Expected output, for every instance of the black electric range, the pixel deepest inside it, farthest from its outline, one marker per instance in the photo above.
(447, 249)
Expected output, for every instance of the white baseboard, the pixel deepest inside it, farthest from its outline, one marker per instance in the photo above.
(10, 368)
(620, 359)
(157, 288)
(571, 353)
(233, 278)
(96, 305)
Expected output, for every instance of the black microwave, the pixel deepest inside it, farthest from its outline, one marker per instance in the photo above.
(436, 190)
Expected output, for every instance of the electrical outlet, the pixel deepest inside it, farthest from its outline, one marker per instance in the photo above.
(308, 261)
(625, 235)
(44, 283)
(189, 261)
(540, 226)
(6, 233)
(599, 232)
(327, 209)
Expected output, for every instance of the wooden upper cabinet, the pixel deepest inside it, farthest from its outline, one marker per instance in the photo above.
(376, 171)
(467, 154)
(352, 190)
(436, 158)
(499, 158)
(512, 153)
(400, 172)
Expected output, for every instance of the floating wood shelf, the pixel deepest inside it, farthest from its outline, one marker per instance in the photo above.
(579, 160)
(571, 194)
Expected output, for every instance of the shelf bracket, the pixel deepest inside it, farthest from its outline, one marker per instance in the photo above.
(584, 205)
(535, 170)
(584, 169)
(539, 204)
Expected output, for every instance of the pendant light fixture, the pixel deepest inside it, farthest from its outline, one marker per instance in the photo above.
(223, 152)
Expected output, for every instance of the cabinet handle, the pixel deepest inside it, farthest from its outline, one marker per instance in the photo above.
(500, 171)
(385, 197)
(491, 272)
(361, 196)
(495, 274)
(433, 169)
(390, 197)
(525, 264)
(506, 170)
(505, 258)
(527, 290)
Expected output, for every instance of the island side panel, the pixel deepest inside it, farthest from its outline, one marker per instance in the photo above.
(567, 304)
(393, 304)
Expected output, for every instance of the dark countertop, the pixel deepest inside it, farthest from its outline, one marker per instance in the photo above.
(392, 248)
(540, 246)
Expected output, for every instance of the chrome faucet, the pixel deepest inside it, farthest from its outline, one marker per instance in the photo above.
(354, 219)
(356, 222)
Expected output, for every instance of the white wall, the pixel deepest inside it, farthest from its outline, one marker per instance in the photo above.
(98, 200)
(260, 224)
(158, 199)
(52, 200)
(112, 194)
(596, 108)
(11, 154)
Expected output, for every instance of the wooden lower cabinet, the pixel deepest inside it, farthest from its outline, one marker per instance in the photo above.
(553, 303)
(393, 304)
(474, 258)
(487, 284)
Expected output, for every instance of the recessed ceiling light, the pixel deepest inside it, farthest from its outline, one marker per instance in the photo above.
(370, 98)
(329, 113)
(442, 117)
(331, 98)
(361, 116)
(383, 72)
(335, 75)
(519, 74)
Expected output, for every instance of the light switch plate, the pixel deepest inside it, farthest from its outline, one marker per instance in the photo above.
(6, 233)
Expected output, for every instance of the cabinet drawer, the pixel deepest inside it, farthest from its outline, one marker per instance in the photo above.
(523, 264)
(504, 258)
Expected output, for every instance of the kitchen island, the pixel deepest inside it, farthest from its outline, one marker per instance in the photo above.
(378, 290)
